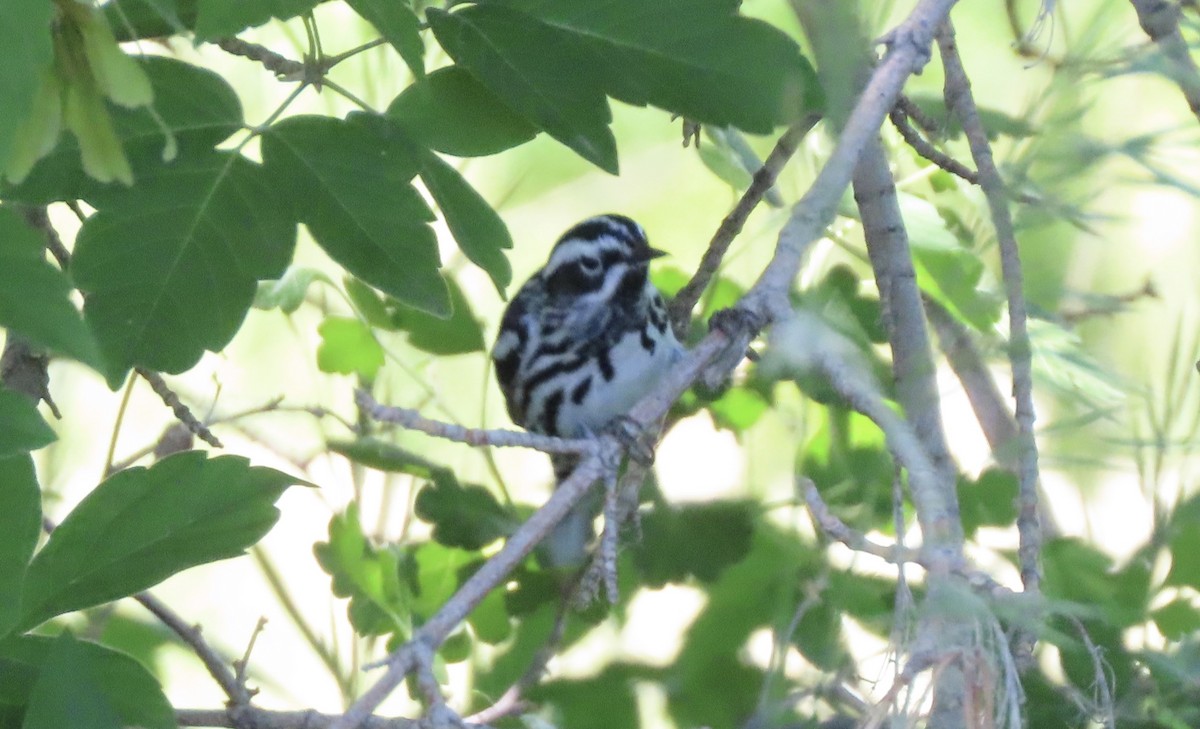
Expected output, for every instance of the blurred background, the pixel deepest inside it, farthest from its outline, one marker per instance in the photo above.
(1084, 120)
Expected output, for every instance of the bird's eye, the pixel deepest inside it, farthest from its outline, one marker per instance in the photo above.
(589, 265)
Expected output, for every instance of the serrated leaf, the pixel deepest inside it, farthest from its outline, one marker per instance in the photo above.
(348, 347)
(468, 516)
(63, 678)
(521, 61)
(216, 18)
(349, 183)
(20, 523)
(142, 525)
(287, 293)
(197, 107)
(699, 59)
(453, 113)
(480, 233)
(396, 22)
(35, 296)
(25, 36)
(22, 428)
(369, 576)
(169, 268)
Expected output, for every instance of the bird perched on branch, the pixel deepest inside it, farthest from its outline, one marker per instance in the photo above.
(580, 344)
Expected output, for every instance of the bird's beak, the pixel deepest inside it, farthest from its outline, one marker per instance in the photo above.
(652, 253)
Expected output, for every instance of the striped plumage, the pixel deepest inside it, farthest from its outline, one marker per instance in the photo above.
(582, 341)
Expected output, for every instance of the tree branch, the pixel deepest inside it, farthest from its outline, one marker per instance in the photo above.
(1160, 20)
(909, 51)
(680, 308)
(252, 716)
(912, 357)
(961, 102)
(217, 666)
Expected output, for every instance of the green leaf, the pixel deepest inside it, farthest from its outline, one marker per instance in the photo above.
(22, 428)
(384, 456)
(196, 106)
(20, 523)
(460, 334)
(991, 500)
(141, 526)
(348, 347)
(216, 18)
(287, 293)
(738, 409)
(996, 122)
(490, 619)
(370, 577)
(137, 19)
(600, 702)
(698, 59)
(25, 38)
(67, 692)
(169, 267)
(438, 571)
(349, 182)
(731, 158)
(63, 679)
(396, 21)
(1177, 619)
(453, 113)
(463, 516)
(700, 540)
(946, 270)
(521, 61)
(35, 296)
(480, 233)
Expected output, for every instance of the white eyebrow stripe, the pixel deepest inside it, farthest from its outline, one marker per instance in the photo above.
(574, 249)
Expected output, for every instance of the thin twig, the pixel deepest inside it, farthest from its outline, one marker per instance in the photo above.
(281, 66)
(512, 701)
(243, 665)
(680, 308)
(217, 666)
(36, 217)
(960, 101)
(413, 420)
(925, 148)
(927, 123)
(836, 529)
(182, 413)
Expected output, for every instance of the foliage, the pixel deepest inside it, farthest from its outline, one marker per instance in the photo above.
(380, 237)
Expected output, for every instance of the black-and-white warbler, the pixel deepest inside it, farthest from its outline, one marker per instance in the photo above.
(579, 345)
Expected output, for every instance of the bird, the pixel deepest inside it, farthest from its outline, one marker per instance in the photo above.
(583, 340)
